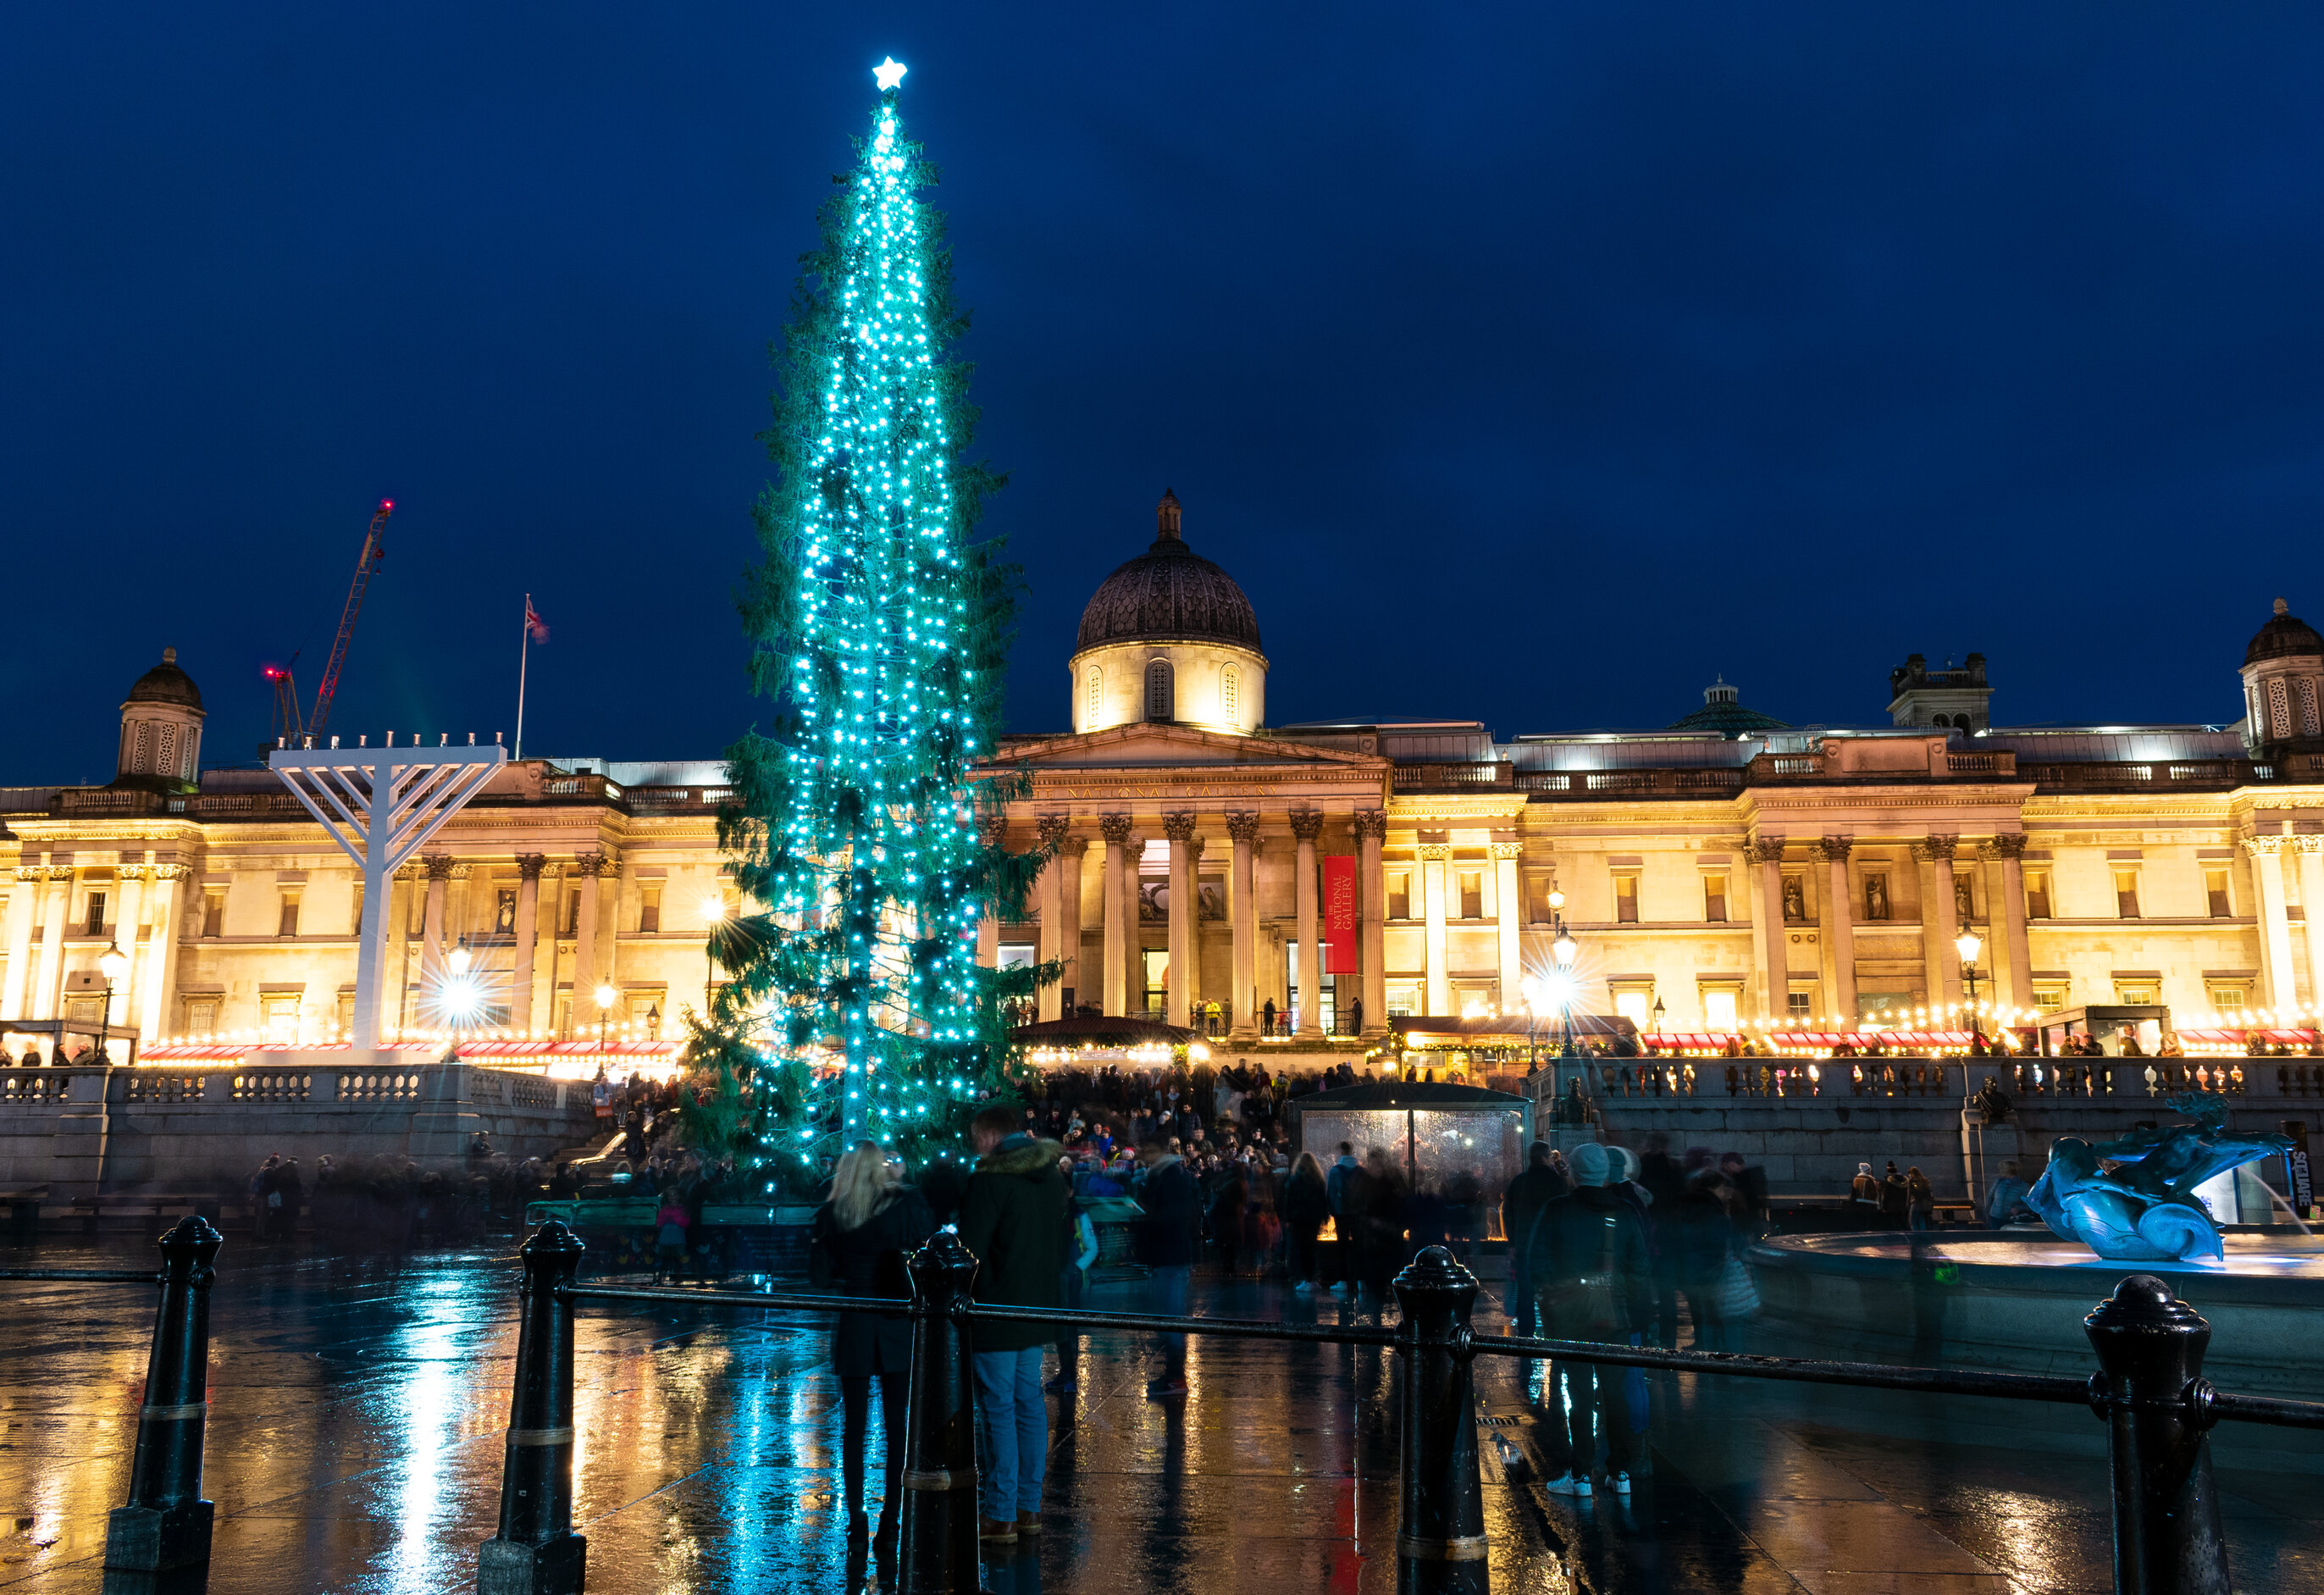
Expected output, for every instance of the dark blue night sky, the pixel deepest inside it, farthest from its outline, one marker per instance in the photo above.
(1530, 364)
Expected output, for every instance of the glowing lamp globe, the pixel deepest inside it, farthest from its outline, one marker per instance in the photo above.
(114, 963)
(1969, 944)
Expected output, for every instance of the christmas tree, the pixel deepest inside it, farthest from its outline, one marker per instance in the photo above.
(853, 1006)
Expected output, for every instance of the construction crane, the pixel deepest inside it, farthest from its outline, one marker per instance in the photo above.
(290, 726)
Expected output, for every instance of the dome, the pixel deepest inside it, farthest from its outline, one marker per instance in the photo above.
(166, 684)
(2284, 634)
(1723, 711)
(1168, 594)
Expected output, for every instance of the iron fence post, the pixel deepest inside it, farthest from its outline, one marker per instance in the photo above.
(536, 1551)
(1440, 1543)
(167, 1523)
(2157, 1406)
(938, 1551)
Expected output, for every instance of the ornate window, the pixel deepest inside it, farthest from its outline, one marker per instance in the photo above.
(1230, 693)
(1094, 694)
(2279, 709)
(2308, 722)
(167, 764)
(141, 748)
(1160, 698)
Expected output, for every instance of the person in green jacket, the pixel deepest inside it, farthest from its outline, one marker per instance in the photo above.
(1012, 1219)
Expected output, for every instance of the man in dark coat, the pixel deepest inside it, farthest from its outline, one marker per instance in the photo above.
(1521, 1203)
(1168, 1238)
(1012, 1218)
(1590, 1262)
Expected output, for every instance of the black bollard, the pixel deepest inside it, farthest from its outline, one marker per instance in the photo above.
(536, 1552)
(2157, 1406)
(167, 1523)
(1440, 1543)
(938, 1553)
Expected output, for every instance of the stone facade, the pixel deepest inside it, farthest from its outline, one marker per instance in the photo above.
(1725, 872)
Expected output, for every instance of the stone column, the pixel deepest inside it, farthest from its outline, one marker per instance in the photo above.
(2274, 925)
(398, 1015)
(1775, 962)
(1069, 921)
(1179, 827)
(1371, 835)
(1121, 912)
(1507, 914)
(2011, 849)
(1432, 862)
(432, 928)
(583, 1015)
(994, 833)
(1946, 919)
(47, 996)
(30, 879)
(2311, 900)
(1194, 925)
(1242, 909)
(161, 956)
(527, 938)
(1052, 828)
(125, 917)
(1840, 929)
(1307, 824)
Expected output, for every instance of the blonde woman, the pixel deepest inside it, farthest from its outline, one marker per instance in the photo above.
(861, 1237)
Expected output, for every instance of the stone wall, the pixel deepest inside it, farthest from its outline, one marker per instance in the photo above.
(83, 1131)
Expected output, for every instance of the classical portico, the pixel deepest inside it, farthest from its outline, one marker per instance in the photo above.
(1205, 848)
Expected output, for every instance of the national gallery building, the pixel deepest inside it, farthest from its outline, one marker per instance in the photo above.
(1723, 872)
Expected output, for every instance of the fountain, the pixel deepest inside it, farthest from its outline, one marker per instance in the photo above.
(2016, 1297)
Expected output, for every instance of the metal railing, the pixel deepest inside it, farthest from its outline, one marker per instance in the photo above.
(2149, 1390)
(1851, 1079)
(166, 1524)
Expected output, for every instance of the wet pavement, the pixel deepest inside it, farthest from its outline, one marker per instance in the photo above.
(357, 1405)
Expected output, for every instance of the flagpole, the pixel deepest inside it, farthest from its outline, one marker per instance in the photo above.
(524, 654)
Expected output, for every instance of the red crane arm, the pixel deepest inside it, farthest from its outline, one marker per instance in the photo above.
(373, 551)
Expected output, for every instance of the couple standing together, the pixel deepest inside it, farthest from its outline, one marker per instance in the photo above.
(1015, 1219)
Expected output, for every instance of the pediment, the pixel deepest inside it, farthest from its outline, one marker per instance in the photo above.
(1149, 744)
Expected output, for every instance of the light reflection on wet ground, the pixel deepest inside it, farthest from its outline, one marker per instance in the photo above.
(357, 1405)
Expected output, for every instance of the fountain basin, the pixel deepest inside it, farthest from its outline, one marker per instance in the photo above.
(2015, 1299)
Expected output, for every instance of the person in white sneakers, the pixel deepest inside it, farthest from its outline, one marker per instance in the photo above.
(1592, 1268)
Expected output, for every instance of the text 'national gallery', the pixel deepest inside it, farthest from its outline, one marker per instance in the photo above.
(1726, 871)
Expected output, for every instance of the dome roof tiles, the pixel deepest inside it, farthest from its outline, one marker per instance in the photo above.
(2284, 634)
(166, 684)
(1168, 594)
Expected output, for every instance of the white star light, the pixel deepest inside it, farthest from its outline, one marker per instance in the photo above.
(889, 73)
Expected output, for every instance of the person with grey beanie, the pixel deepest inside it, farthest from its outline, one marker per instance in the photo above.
(1592, 1270)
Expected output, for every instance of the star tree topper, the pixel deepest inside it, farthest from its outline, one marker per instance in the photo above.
(889, 73)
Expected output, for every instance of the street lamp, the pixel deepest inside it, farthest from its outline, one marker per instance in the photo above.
(460, 957)
(115, 964)
(1969, 944)
(606, 995)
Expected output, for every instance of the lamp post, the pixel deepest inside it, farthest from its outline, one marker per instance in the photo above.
(115, 964)
(605, 995)
(1969, 944)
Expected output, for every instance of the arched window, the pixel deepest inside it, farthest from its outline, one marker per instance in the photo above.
(1094, 694)
(1159, 696)
(1942, 720)
(1230, 693)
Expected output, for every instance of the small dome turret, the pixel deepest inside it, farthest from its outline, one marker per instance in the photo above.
(161, 730)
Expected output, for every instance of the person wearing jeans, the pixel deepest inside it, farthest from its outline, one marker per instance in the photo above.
(1168, 1238)
(1012, 1432)
(1012, 1219)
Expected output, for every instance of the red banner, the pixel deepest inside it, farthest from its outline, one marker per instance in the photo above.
(1338, 914)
